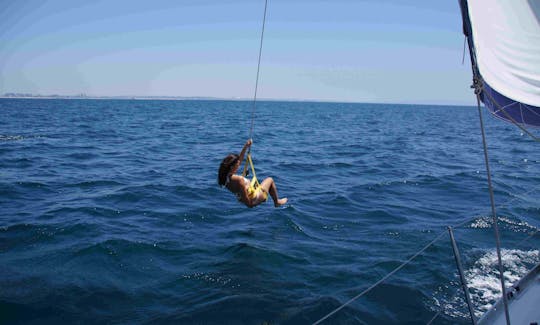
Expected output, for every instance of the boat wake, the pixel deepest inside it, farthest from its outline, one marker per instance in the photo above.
(483, 280)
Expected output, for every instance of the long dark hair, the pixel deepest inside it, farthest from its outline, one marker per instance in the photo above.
(225, 168)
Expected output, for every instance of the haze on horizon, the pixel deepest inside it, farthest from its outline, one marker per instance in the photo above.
(352, 51)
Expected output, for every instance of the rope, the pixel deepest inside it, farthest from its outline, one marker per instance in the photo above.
(492, 200)
(381, 280)
(258, 70)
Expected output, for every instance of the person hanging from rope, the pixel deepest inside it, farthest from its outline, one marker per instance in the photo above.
(251, 193)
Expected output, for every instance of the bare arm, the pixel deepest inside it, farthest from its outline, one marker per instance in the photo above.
(243, 152)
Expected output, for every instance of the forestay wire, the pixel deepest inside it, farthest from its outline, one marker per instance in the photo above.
(258, 70)
(381, 280)
(422, 250)
(441, 309)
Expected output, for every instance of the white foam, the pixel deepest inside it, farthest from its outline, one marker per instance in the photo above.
(208, 278)
(483, 281)
(10, 137)
(515, 225)
(483, 277)
(482, 223)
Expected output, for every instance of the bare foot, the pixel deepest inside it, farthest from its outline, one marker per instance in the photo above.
(281, 202)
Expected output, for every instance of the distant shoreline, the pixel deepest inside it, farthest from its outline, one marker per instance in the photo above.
(172, 98)
(113, 97)
(29, 96)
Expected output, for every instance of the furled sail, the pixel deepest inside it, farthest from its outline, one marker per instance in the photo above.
(504, 43)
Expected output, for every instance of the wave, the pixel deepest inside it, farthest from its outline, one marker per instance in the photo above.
(11, 137)
(121, 248)
(98, 183)
(242, 250)
(122, 202)
(509, 223)
(382, 217)
(388, 303)
(15, 191)
(83, 155)
(483, 279)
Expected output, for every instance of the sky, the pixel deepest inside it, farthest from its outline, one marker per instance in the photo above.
(389, 51)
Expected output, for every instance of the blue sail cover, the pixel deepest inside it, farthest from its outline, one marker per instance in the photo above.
(504, 43)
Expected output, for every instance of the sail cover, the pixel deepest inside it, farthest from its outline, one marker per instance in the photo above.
(504, 42)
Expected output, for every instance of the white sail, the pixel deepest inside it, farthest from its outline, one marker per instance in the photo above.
(506, 36)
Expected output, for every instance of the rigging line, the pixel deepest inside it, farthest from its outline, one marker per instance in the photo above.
(517, 198)
(502, 109)
(258, 70)
(412, 258)
(436, 239)
(381, 280)
(529, 109)
(458, 289)
(527, 238)
(503, 205)
(463, 57)
(492, 200)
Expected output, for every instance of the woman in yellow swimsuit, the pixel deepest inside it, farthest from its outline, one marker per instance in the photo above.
(239, 185)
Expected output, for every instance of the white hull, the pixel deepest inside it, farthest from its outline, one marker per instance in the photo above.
(523, 302)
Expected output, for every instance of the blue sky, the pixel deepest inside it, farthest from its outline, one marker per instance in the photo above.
(400, 51)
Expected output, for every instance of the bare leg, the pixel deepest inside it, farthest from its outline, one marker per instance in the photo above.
(270, 187)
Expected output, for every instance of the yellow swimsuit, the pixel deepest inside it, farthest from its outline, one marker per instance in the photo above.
(253, 192)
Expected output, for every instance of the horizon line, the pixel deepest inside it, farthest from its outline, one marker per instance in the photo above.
(13, 95)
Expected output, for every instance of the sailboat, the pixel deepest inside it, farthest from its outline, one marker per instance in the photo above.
(503, 38)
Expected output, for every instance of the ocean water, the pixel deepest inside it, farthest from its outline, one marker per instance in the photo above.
(110, 212)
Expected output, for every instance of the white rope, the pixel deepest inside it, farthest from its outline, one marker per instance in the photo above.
(258, 69)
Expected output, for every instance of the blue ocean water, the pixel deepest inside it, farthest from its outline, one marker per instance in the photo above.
(110, 212)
